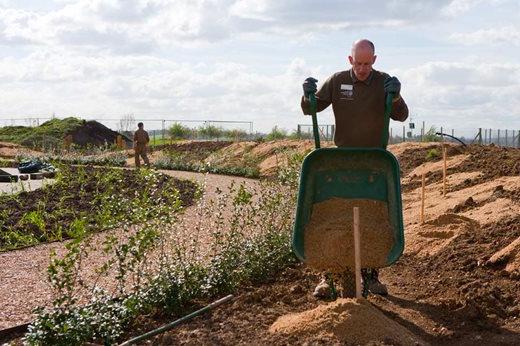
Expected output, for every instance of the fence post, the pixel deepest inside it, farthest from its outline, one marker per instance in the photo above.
(498, 137)
(422, 131)
(163, 129)
(299, 131)
(480, 136)
(404, 133)
(506, 138)
(390, 141)
(518, 139)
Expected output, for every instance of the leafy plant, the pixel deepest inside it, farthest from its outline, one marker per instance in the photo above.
(432, 154)
(276, 134)
(431, 136)
(210, 131)
(178, 131)
(250, 246)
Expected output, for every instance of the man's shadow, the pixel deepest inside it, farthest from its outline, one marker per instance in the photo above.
(463, 323)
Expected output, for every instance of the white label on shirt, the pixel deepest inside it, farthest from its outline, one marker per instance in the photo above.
(346, 87)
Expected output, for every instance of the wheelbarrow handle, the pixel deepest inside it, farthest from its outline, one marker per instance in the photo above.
(314, 106)
(388, 111)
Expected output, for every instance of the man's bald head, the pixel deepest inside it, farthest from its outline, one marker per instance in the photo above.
(363, 44)
(362, 58)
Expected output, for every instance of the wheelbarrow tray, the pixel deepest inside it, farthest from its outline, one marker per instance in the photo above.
(349, 173)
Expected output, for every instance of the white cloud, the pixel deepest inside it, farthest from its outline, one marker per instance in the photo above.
(61, 82)
(507, 34)
(464, 96)
(152, 23)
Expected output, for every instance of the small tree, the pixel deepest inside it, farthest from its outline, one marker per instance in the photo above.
(126, 123)
(210, 131)
(178, 131)
(276, 133)
(236, 134)
(430, 136)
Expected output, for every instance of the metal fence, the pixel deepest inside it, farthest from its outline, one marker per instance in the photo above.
(408, 133)
(158, 128)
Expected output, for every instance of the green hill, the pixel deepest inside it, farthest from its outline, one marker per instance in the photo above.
(50, 133)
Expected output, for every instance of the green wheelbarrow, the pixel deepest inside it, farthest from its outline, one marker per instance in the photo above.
(350, 174)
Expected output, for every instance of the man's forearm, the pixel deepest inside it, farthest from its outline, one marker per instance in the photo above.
(306, 105)
(399, 110)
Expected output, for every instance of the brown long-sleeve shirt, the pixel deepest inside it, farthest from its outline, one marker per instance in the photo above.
(141, 137)
(358, 106)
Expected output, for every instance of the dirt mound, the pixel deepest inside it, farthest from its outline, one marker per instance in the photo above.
(490, 161)
(464, 281)
(354, 322)
(97, 134)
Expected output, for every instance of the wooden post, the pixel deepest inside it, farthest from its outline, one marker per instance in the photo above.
(506, 138)
(404, 133)
(498, 137)
(357, 252)
(444, 154)
(422, 198)
(480, 136)
(67, 142)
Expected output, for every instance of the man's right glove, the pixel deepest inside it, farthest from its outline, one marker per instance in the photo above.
(309, 87)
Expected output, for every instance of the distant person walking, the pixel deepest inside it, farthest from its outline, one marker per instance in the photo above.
(141, 140)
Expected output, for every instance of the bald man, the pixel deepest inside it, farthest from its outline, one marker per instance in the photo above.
(358, 98)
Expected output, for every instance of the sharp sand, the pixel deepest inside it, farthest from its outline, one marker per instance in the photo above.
(349, 321)
(329, 237)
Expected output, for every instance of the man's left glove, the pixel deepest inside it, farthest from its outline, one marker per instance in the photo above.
(392, 85)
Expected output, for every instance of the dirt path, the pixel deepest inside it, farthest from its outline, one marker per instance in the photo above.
(23, 273)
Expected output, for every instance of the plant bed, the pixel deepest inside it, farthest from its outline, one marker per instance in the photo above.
(89, 198)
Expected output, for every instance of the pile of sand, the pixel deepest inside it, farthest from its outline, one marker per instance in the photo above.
(351, 321)
(329, 237)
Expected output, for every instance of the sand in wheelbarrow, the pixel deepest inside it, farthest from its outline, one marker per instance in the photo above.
(346, 321)
(329, 239)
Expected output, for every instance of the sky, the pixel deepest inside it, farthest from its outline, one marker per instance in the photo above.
(245, 60)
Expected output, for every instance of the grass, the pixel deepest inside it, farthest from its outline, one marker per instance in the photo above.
(50, 133)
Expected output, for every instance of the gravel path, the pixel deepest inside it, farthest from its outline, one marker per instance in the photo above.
(23, 273)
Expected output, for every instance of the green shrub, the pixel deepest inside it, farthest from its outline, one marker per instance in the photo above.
(178, 131)
(210, 132)
(432, 154)
(276, 134)
(250, 246)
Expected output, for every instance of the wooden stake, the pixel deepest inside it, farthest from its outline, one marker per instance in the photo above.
(422, 198)
(444, 154)
(357, 252)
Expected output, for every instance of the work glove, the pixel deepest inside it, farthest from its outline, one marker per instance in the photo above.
(309, 87)
(392, 85)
